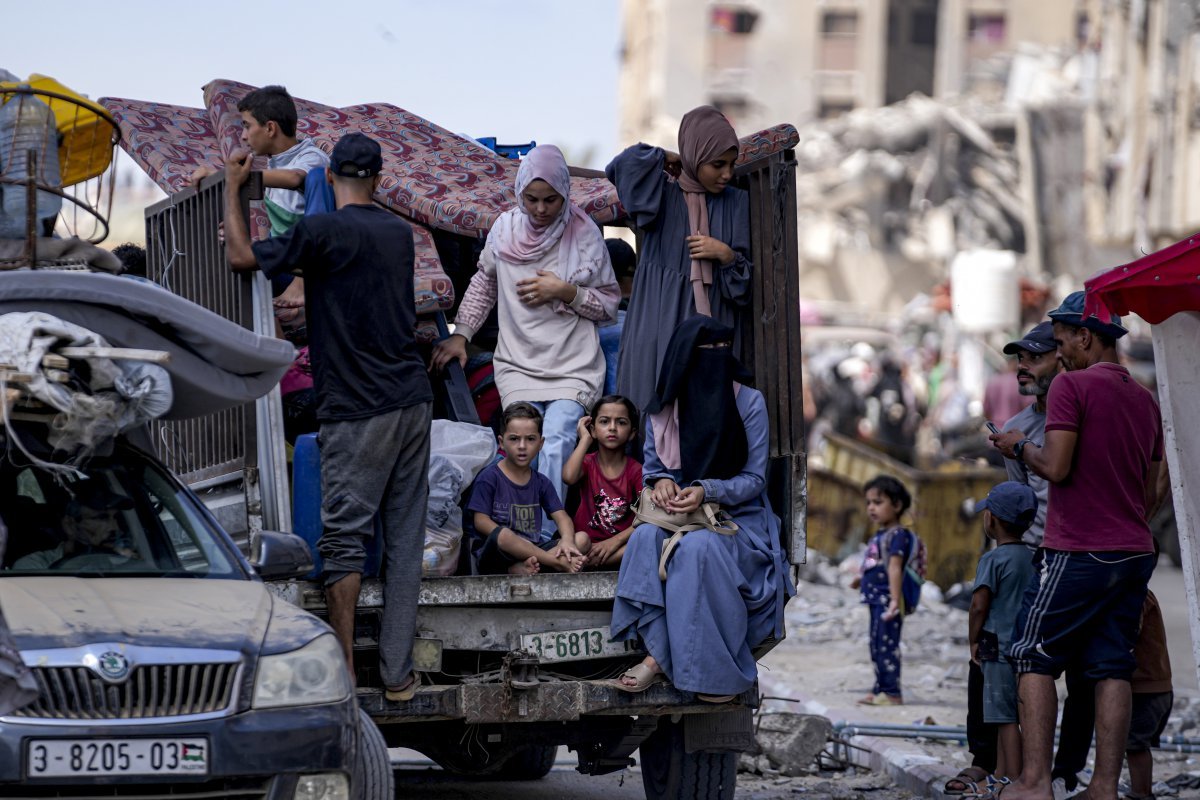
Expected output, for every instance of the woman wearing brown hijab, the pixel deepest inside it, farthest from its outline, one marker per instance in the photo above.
(695, 256)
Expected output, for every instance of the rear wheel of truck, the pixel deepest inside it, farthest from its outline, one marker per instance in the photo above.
(529, 763)
(373, 778)
(669, 772)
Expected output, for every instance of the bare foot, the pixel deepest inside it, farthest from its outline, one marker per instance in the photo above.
(1018, 791)
(529, 566)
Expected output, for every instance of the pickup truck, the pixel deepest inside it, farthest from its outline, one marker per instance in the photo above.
(513, 667)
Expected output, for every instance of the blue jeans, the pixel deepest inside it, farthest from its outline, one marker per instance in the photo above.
(559, 418)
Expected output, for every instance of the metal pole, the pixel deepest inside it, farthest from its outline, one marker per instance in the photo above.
(31, 220)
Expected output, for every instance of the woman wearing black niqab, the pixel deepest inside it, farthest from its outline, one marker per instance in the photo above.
(706, 441)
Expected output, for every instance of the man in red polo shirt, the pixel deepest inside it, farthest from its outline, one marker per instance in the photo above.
(1102, 455)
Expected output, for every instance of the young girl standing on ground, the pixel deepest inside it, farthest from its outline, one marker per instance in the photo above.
(695, 256)
(609, 480)
(882, 580)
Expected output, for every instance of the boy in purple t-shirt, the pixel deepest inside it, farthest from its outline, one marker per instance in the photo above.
(509, 500)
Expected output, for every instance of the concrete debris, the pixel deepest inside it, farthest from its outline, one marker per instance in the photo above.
(790, 743)
(917, 176)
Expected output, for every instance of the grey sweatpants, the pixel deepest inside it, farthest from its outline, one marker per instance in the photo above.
(379, 465)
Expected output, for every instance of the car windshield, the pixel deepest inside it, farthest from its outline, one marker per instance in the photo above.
(125, 517)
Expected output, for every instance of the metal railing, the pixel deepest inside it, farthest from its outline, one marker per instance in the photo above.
(186, 255)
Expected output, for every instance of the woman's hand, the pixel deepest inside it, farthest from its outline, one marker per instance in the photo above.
(687, 500)
(673, 164)
(664, 493)
(583, 430)
(710, 249)
(544, 288)
(453, 348)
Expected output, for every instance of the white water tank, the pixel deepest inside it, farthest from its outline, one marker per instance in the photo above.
(985, 291)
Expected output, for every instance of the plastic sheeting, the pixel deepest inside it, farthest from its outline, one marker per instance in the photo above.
(215, 364)
(118, 394)
(457, 453)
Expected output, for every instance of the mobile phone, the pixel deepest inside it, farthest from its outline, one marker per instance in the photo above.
(991, 426)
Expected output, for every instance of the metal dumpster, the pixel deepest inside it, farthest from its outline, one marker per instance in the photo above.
(941, 513)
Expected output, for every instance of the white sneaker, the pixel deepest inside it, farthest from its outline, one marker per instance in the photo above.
(1059, 787)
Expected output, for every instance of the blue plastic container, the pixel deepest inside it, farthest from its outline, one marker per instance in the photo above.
(507, 150)
(306, 506)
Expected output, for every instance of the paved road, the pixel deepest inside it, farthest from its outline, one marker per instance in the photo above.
(1167, 584)
(417, 777)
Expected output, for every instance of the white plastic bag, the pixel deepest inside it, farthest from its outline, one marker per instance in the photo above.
(458, 451)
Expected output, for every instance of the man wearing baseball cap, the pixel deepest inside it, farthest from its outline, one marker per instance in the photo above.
(1102, 455)
(374, 401)
(1037, 364)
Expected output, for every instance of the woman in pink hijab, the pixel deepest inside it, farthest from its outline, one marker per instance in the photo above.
(695, 254)
(546, 269)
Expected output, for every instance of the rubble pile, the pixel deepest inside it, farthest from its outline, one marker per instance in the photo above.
(920, 176)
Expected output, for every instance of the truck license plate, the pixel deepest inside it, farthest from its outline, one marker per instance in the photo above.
(57, 758)
(574, 645)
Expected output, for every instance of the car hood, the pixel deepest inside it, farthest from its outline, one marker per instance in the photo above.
(51, 612)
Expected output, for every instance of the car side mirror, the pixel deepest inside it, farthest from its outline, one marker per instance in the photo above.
(276, 555)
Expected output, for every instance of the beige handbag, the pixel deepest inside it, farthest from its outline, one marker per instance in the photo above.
(708, 515)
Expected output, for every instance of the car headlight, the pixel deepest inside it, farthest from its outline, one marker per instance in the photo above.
(323, 786)
(314, 674)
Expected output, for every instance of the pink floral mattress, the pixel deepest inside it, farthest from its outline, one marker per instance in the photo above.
(432, 176)
(168, 142)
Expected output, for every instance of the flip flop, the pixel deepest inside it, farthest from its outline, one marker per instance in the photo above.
(644, 676)
(404, 693)
(967, 779)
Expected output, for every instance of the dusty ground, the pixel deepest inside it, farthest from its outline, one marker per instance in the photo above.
(824, 661)
(416, 777)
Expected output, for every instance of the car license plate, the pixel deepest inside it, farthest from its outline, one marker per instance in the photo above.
(574, 645)
(59, 758)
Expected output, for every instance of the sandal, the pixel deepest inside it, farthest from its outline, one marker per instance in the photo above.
(967, 780)
(716, 698)
(403, 693)
(881, 699)
(994, 788)
(644, 676)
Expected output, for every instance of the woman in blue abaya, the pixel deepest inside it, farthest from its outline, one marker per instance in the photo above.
(706, 441)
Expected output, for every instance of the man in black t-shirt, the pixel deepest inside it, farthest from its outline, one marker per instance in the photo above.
(374, 401)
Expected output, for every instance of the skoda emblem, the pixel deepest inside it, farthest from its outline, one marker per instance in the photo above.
(113, 665)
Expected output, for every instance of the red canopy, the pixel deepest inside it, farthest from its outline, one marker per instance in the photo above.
(1154, 287)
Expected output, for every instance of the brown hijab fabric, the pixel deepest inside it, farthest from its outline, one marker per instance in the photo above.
(704, 134)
